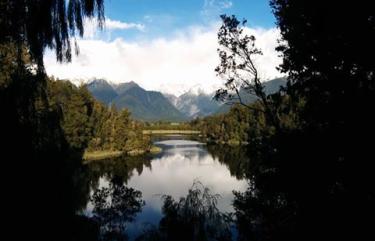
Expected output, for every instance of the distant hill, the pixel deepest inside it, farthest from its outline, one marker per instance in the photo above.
(270, 87)
(155, 106)
(197, 104)
(102, 90)
(123, 87)
(148, 105)
(172, 98)
(274, 85)
(144, 105)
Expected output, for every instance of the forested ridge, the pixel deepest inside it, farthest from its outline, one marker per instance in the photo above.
(89, 124)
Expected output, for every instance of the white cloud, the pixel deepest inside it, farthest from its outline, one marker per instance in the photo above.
(172, 65)
(226, 4)
(148, 18)
(114, 24)
(92, 30)
(213, 8)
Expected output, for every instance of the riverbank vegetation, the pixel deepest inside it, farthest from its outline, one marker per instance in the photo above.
(298, 169)
(167, 132)
(244, 126)
(230, 128)
(89, 125)
(165, 125)
(100, 155)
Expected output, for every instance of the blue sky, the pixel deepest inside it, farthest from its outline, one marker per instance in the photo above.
(166, 45)
(162, 17)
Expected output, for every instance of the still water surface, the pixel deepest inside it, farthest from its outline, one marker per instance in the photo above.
(172, 172)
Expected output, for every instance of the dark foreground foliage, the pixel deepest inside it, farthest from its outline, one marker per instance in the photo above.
(191, 218)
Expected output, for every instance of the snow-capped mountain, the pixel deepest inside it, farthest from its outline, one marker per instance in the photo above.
(196, 103)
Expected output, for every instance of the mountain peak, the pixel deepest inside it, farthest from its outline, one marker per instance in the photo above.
(130, 83)
(102, 90)
(123, 87)
(196, 90)
(144, 105)
(95, 82)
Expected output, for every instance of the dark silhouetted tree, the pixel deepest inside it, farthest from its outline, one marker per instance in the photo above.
(114, 207)
(33, 137)
(303, 184)
(191, 218)
(39, 24)
(237, 66)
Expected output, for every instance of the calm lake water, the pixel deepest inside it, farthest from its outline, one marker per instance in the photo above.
(182, 162)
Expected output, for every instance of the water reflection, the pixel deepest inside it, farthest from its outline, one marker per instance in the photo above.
(171, 173)
(194, 217)
(114, 207)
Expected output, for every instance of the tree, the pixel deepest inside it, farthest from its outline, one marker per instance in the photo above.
(328, 50)
(39, 24)
(122, 126)
(302, 182)
(191, 218)
(33, 139)
(77, 111)
(238, 68)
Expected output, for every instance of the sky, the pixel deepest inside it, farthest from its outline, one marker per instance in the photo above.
(166, 45)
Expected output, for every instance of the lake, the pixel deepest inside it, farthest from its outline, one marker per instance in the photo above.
(182, 162)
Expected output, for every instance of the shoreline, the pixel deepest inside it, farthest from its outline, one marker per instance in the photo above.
(105, 154)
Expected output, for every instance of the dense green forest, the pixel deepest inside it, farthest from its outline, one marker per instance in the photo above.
(229, 128)
(165, 125)
(246, 124)
(90, 125)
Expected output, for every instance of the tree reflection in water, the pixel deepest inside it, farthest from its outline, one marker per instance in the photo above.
(114, 207)
(235, 158)
(194, 217)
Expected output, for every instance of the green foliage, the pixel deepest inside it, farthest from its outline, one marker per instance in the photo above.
(46, 23)
(116, 131)
(77, 107)
(87, 123)
(27, 121)
(164, 125)
(237, 126)
(302, 181)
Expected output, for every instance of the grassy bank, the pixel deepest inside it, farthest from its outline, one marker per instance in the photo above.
(230, 142)
(99, 155)
(155, 150)
(185, 132)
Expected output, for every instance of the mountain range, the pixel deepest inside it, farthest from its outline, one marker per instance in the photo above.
(195, 103)
(143, 105)
(154, 106)
(270, 87)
